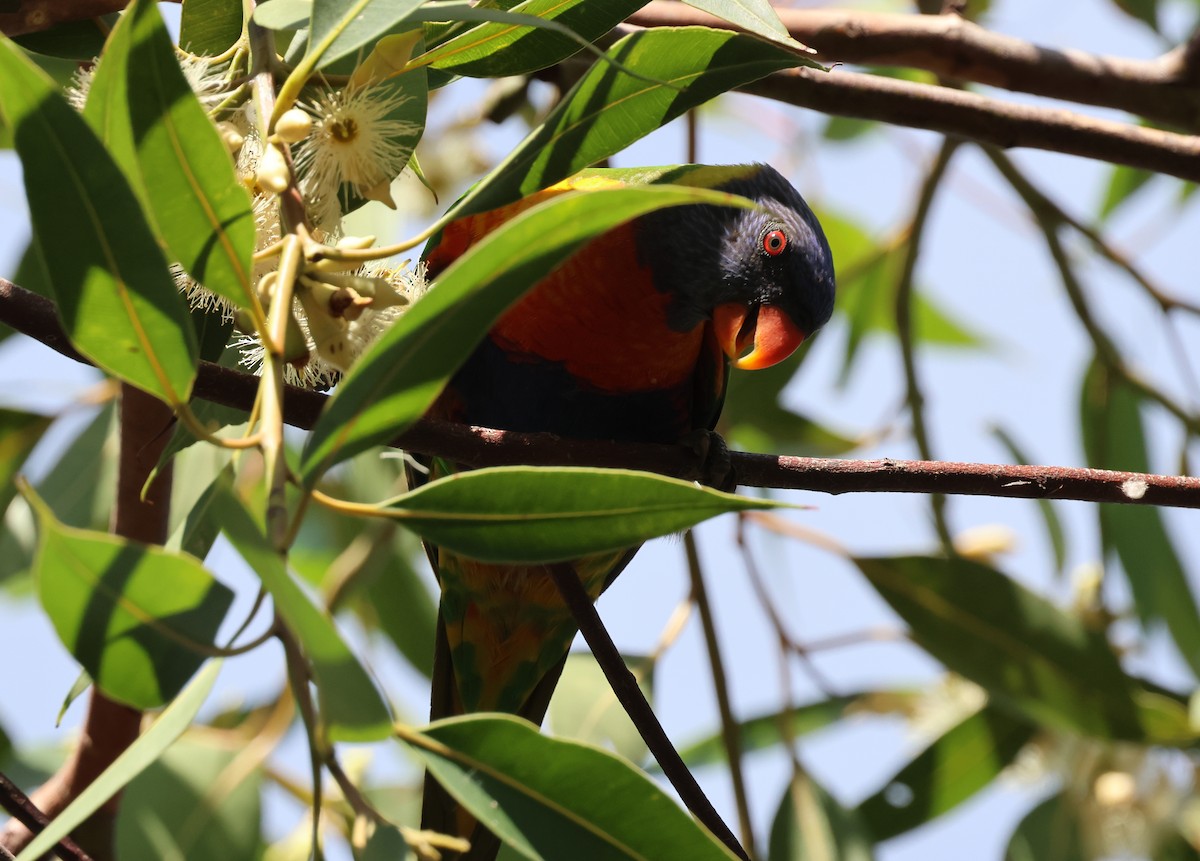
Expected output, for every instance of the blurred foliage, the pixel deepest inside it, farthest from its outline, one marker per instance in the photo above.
(1047, 691)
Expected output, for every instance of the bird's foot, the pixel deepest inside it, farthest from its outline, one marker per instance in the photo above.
(714, 465)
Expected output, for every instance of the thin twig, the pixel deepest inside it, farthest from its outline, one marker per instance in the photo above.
(23, 810)
(731, 736)
(626, 688)
(904, 326)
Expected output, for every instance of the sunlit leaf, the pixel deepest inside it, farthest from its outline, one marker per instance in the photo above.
(1123, 183)
(531, 514)
(1114, 438)
(117, 298)
(395, 382)
(144, 109)
(146, 750)
(962, 761)
(753, 16)
(1016, 644)
(526, 788)
(350, 704)
(139, 619)
(810, 825)
(508, 44)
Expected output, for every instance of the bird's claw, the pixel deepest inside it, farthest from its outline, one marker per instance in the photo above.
(714, 466)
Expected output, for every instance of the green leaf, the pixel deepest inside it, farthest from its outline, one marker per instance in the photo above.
(138, 618)
(533, 515)
(80, 488)
(526, 788)
(283, 14)
(209, 27)
(1114, 438)
(200, 208)
(19, 433)
(810, 825)
(584, 707)
(350, 704)
(351, 24)
(396, 381)
(1054, 529)
(964, 760)
(609, 109)
(117, 298)
(395, 598)
(1050, 832)
(1145, 11)
(754, 16)
(81, 41)
(1123, 182)
(768, 730)
(196, 801)
(147, 749)
(508, 44)
(1016, 644)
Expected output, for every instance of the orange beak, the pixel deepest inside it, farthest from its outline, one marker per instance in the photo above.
(773, 336)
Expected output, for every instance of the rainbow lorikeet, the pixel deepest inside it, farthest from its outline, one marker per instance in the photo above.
(630, 339)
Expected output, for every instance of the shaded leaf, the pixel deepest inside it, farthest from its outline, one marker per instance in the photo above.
(609, 109)
(147, 749)
(1114, 438)
(81, 41)
(348, 26)
(766, 731)
(396, 599)
(145, 110)
(1050, 832)
(753, 16)
(526, 788)
(19, 433)
(584, 707)
(283, 14)
(196, 801)
(964, 760)
(1016, 644)
(1145, 11)
(117, 299)
(810, 825)
(1054, 529)
(396, 381)
(138, 618)
(350, 704)
(532, 515)
(209, 27)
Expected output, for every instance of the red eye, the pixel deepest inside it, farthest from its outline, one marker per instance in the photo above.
(774, 242)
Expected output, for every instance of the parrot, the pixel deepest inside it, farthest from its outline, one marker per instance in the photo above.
(630, 339)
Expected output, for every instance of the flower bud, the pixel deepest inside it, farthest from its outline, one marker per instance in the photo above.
(293, 126)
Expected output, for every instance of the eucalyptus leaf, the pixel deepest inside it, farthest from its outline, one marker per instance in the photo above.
(753, 16)
(534, 515)
(341, 27)
(199, 207)
(956, 765)
(609, 109)
(1025, 651)
(139, 619)
(351, 707)
(1054, 528)
(584, 707)
(811, 825)
(117, 298)
(1114, 438)
(19, 433)
(526, 788)
(144, 751)
(210, 27)
(1052, 831)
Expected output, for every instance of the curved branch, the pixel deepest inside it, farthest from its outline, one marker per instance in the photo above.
(979, 118)
(474, 446)
(1162, 89)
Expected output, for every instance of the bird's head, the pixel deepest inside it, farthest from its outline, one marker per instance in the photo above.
(764, 277)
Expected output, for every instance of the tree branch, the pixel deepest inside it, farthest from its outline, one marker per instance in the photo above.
(979, 118)
(1162, 89)
(34, 315)
(33, 16)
